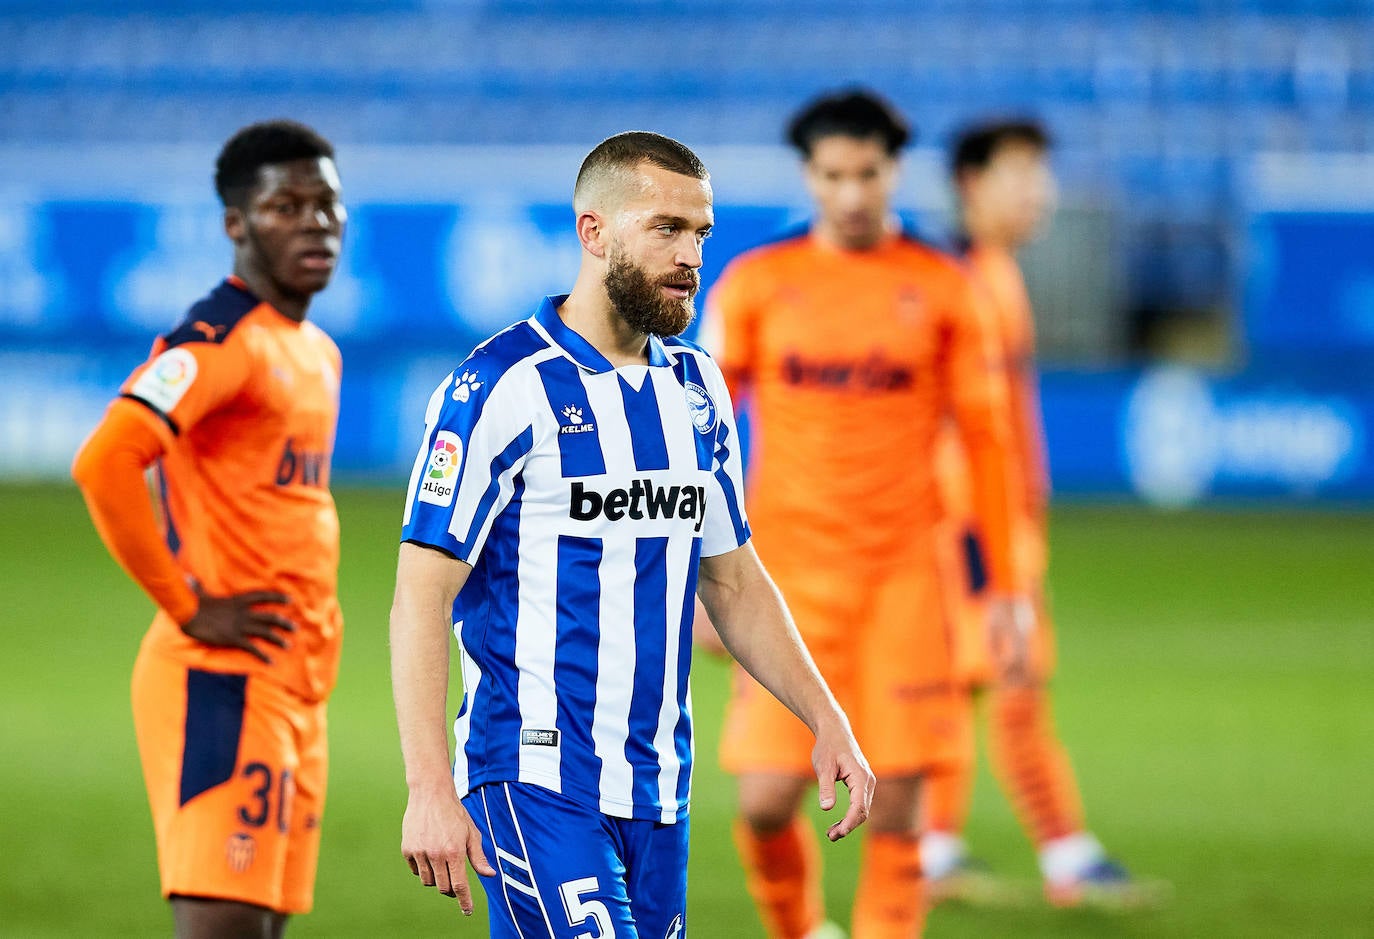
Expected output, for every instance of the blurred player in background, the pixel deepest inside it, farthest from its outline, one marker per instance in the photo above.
(579, 481)
(847, 343)
(234, 536)
(1005, 191)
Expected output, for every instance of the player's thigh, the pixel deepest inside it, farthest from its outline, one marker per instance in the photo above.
(559, 869)
(760, 734)
(656, 875)
(218, 758)
(198, 918)
(910, 717)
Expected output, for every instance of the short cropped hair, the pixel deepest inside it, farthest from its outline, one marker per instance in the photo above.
(259, 145)
(619, 155)
(975, 146)
(856, 113)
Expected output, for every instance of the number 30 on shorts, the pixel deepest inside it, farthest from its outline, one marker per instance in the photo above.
(265, 799)
(579, 910)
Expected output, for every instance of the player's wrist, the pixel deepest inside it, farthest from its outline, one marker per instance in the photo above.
(182, 607)
(433, 784)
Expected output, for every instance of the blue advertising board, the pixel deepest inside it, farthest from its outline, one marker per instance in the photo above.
(448, 246)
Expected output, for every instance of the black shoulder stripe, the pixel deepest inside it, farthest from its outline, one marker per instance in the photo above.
(214, 317)
(165, 419)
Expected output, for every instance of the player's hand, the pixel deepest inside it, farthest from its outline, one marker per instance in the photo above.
(837, 757)
(236, 621)
(1010, 621)
(439, 840)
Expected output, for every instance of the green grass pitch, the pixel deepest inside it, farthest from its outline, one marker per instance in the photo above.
(1214, 690)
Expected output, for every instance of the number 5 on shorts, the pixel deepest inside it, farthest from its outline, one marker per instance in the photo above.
(579, 910)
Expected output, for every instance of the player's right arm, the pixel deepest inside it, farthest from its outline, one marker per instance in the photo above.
(475, 442)
(729, 332)
(109, 468)
(438, 838)
(729, 328)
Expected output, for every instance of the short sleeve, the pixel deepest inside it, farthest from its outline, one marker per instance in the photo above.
(188, 381)
(476, 439)
(727, 526)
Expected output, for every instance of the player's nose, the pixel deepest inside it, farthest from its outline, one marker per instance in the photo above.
(689, 253)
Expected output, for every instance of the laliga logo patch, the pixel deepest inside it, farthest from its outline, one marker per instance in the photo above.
(441, 460)
(704, 413)
(442, 467)
(166, 381)
(465, 386)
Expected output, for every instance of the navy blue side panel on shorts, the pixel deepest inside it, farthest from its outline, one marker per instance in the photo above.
(568, 872)
(214, 723)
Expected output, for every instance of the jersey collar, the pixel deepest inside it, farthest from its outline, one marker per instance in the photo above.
(580, 350)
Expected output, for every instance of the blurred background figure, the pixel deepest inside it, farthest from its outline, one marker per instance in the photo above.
(1005, 191)
(849, 343)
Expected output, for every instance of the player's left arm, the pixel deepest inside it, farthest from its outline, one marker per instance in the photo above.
(755, 626)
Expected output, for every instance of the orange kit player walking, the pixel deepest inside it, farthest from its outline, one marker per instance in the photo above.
(1005, 191)
(848, 343)
(233, 419)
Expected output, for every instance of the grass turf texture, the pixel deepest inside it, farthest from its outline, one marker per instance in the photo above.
(1214, 693)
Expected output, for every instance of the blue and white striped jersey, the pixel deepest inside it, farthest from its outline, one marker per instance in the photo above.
(584, 497)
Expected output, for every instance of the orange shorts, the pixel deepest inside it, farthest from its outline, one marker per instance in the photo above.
(235, 768)
(961, 559)
(883, 644)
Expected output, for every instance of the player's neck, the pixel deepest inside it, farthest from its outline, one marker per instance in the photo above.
(830, 236)
(261, 286)
(985, 234)
(589, 313)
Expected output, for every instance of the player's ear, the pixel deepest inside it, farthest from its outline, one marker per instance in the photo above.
(235, 225)
(592, 232)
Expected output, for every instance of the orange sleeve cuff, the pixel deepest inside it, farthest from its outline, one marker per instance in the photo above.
(991, 494)
(109, 470)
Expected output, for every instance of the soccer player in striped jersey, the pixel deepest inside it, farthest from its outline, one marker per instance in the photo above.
(1005, 190)
(234, 414)
(578, 483)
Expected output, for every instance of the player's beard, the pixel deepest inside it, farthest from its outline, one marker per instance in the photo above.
(640, 301)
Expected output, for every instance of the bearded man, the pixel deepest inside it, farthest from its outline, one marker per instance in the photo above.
(578, 483)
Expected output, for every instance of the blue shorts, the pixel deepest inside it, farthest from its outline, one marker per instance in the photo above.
(569, 872)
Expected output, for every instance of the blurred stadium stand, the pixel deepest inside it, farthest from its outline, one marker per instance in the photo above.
(1158, 109)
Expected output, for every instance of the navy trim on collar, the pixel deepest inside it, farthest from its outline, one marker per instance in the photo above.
(579, 349)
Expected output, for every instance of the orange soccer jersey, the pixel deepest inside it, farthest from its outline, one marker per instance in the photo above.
(848, 362)
(243, 401)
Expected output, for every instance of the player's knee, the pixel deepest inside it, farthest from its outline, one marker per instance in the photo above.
(896, 806)
(768, 805)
